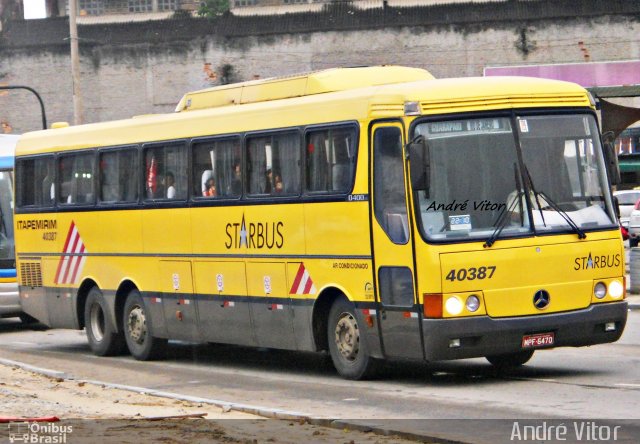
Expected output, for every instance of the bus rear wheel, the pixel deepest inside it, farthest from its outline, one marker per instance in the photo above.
(347, 348)
(138, 331)
(104, 340)
(510, 360)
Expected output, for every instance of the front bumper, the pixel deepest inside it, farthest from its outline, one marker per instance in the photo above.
(485, 336)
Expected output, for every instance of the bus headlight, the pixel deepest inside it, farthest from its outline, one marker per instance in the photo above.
(453, 305)
(616, 290)
(473, 303)
(600, 290)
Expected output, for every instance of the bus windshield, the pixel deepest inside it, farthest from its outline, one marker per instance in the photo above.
(480, 168)
(6, 220)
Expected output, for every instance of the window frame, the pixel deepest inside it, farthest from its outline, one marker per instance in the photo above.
(248, 196)
(518, 112)
(103, 203)
(302, 195)
(18, 180)
(240, 137)
(354, 163)
(146, 202)
(58, 186)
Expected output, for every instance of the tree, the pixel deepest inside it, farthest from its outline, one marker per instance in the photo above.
(213, 8)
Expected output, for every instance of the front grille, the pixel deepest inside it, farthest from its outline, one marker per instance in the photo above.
(31, 274)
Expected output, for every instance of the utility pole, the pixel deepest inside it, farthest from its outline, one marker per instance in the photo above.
(75, 63)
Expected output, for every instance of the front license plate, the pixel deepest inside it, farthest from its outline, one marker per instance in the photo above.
(539, 340)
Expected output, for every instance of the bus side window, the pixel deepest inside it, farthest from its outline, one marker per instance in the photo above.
(77, 178)
(117, 180)
(216, 168)
(330, 160)
(274, 164)
(165, 171)
(35, 184)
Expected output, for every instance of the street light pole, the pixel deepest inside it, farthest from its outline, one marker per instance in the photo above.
(44, 116)
(75, 63)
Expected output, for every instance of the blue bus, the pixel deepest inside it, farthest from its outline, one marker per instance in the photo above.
(9, 297)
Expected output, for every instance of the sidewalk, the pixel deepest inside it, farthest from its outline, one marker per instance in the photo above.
(634, 301)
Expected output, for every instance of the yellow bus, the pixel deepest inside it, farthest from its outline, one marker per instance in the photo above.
(374, 213)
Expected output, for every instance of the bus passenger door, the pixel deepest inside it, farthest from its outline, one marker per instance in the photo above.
(179, 305)
(399, 315)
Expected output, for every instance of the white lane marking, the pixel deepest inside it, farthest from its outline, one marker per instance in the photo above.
(628, 385)
(523, 378)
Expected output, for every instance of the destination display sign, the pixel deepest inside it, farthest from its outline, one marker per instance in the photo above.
(460, 127)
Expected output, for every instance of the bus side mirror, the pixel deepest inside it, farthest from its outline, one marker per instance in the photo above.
(611, 158)
(419, 164)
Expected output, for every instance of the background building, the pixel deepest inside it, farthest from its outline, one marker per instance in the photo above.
(134, 65)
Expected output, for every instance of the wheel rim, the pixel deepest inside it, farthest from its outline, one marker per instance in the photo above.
(96, 320)
(137, 324)
(347, 336)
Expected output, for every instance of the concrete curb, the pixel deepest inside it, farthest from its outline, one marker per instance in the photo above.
(266, 412)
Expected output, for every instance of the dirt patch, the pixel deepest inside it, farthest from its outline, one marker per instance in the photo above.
(93, 413)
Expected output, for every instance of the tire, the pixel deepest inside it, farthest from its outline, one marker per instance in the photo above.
(138, 330)
(633, 242)
(26, 319)
(103, 339)
(348, 350)
(510, 360)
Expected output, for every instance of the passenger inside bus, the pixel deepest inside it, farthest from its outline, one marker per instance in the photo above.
(169, 182)
(208, 184)
(210, 190)
(236, 182)
(277, 184)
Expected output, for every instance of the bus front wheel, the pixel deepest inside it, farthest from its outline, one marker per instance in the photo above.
(348, 349)
(138, 330)
(103, 339)
(510, 360)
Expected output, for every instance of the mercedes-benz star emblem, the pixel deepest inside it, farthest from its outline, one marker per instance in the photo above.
(541, 299)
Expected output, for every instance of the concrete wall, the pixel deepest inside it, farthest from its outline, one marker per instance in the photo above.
(140, 68)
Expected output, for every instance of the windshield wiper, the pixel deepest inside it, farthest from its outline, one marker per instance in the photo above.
(503, 217)
(537, 194)
(502, 220)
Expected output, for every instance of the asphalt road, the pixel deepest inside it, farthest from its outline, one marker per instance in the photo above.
(597, 384)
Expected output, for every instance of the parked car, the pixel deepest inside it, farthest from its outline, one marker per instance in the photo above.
(626, 201)
(634, 225)
(624, 232)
